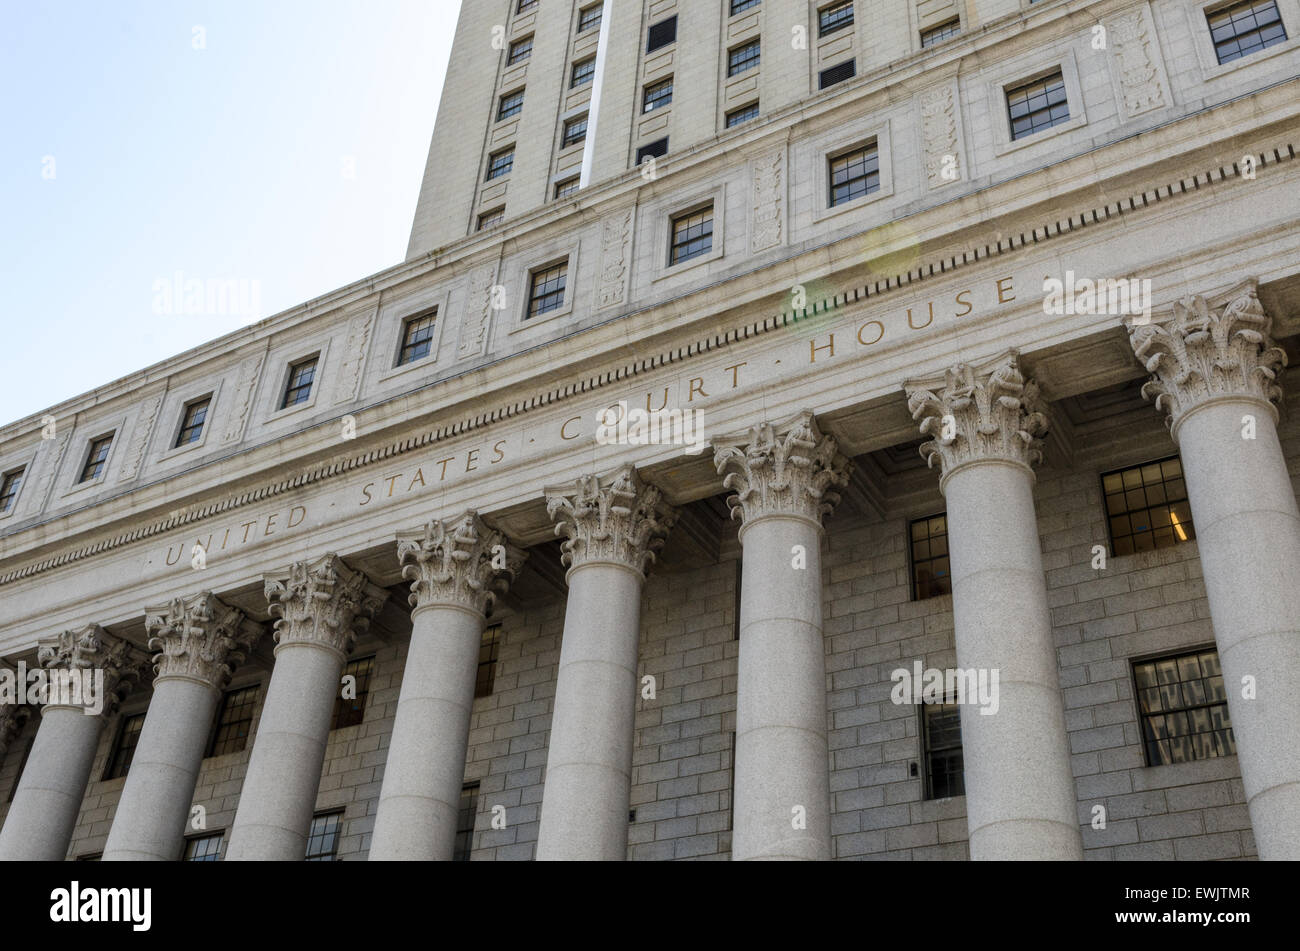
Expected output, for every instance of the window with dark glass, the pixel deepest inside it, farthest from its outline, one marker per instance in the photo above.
(931, 573)
(1037, 105)
(465, 823)
(1147, 507)
(500, 163)
(837, 74)
(661, 34)
(511, 104)
(854, 174)
(692, 235)
(352, 710)
(9, 486)
(836, 16)
(192, 420)
(91, 857)
(1244, 28)
(547, 289)
(589, 17)
(488, 649)
(301, 377)
(584, 71)
(128, 737)
(575, 131)
(944, 774)
(567, 187)
(203, 848)
(742, 115)
(656, 149)
(490, 218)
(417, 338)
(519, 51)
(740, 6)
(657, 95)
(323, 840)
(96, 458)
(525, 5)
(234, 722)
(744, 57)
(944, 31)
(1184, 708)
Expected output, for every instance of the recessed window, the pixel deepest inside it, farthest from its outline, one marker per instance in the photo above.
(323, 840)
(1147, 507)
(500, 163)
(584, 71)
(1245, 28)
(1037, 105)
(656, 149)
(575, 131)
(203, 848)
(661, 34)
(128, 738)
(417, 338)
(740, 6)
(567, 187)
(589, 17)
(836, 16)
(350, 710)
(96, 458)
(234, 722)
(837, 74)
(931, 572)
(488, 649)
(742, 115)
(944, 772)
(743, 58)
(9, 486)
(491, 218)
(465, 823)
(692, 235)
(302, 375)
(525, 5)
(854, 174)
(944, 31)
(1184, 707)
(520, 50)
(511, 104)
(657, 95)
(547, 289)
(192, 422)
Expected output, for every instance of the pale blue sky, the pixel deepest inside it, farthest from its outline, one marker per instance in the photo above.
(229, 162)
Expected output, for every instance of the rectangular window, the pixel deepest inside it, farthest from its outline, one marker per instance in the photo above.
(692, 235)
(740, 6)
(323, 840)
(234, 722)
(744, 57)
(584, 71)
(944, 31)
(661, 34)
(1147, 507)
(128, 737)
(465, 823)
(742, 115)
(1245, 28)
(350, 710)
(511, 104)
(520, 50)
(589, 17)
(854, 174)
(500, 163)
(491, 218)
(96, 458)
(837, 74)
(1184, 708)
(836, 16)
(567, 187)
(417, 338)
(192, 420)
(547, 289)
(9, 486)
(525, 5)
(301, 377)
(204, 848)
(575, 131)
(1037, 105)
(487, 661)
(944, 773)
(931, 573)
(657, 95)
(656, 149)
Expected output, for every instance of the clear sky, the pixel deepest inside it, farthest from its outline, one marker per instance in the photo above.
(280, 142)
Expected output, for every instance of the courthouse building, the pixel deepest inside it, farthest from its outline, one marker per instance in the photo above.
(754, 365)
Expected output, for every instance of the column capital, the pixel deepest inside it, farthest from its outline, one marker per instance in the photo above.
(1208, 349)
(613, 518)
(199, 638)
(91, 653)
(323, 603)
(461, 562)
(785, 468)
(979, 413)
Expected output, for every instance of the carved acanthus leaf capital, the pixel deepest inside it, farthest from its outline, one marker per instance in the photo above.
(89, 666)
(1208, 349)
(611, 518)
(199, 638)
(974, 413)
(789, 468)
(462, 562)
(323, 602)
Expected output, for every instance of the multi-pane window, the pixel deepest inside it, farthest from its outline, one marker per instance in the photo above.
(1147, 507)
(489, 647)
(417, 338)
(944, 31)
(835, 16)
(567, 187)
(323, 840)
(192, 420)
(944, 775)
(584, 71)
(1184, 707)
(525, 5)
(931, 573)
(575, 131)
(351, 709)
(661, 34)
(465, 823)
(1037, 105)
(657, 95)
(656, 149)
(739, 116)
(837, 74)
(511, 104)
(128, 737)
(9, 486)
(743, 57)
(854, 174)
(203, 848)
(235, 721)
(546, 291)
(301, 377)
(589, 17)
(520, 50)
(692, 235)
(500, 163)
(739, 6)
(96, 458)
(490, 218)
(1245, 28)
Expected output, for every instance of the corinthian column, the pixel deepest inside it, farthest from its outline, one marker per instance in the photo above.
(321, 608)
(457, 569)
(200, 641)
(1215, 375)
(614, 524)
(89, 672)
(985, 422)
(784, 476)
